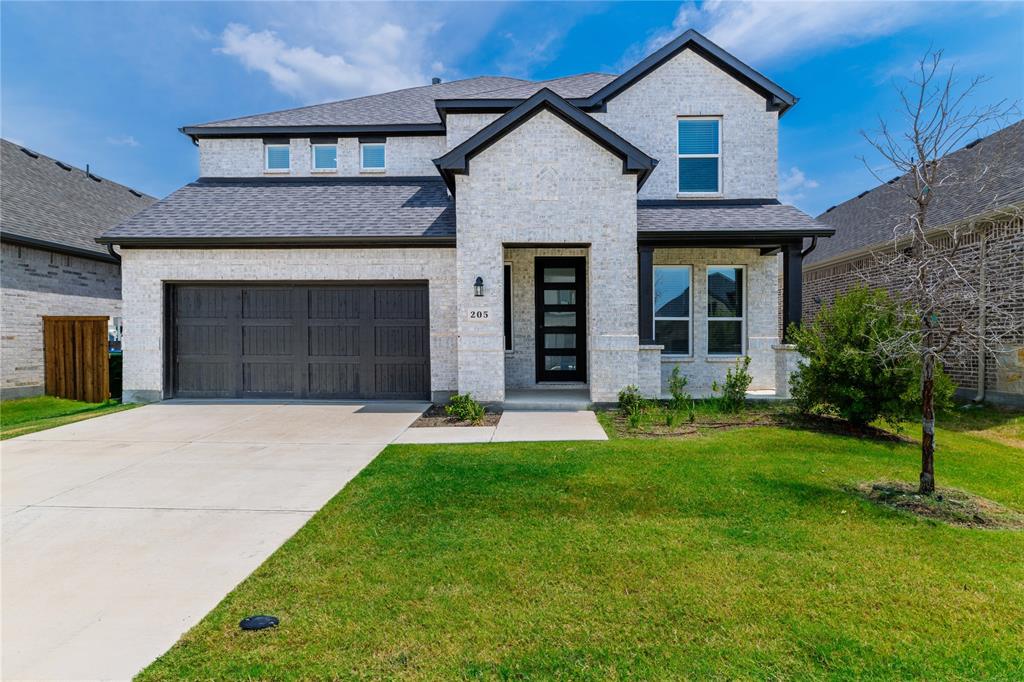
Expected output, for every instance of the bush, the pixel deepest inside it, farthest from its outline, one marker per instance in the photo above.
(465, 409)
(630, 400)
(734, 389)
(677, 388)
(845, 371)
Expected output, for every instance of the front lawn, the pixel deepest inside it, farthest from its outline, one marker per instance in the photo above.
(736, 555)
(28, 415)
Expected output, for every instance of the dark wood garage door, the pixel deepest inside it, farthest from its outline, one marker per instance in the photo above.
(300, 341)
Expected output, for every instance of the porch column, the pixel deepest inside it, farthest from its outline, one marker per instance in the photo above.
(792, 286)
(645, 288)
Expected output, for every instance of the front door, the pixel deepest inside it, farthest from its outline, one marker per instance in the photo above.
(561, 296)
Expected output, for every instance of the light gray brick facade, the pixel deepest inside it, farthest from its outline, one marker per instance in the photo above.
(37, 283)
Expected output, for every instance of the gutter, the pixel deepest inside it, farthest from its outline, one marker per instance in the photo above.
(56, 247)
(812, 247)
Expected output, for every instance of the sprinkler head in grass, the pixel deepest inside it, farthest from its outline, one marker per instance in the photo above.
(258, 622)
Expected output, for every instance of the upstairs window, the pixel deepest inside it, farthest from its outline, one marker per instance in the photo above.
(700, 158)
(725, 310)
(278, 158)
(672, 308)
(325, 157)
(372, 156)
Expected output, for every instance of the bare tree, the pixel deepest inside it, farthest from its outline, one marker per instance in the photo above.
(925, 265)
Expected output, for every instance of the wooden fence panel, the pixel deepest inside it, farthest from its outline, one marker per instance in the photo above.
(76, 359)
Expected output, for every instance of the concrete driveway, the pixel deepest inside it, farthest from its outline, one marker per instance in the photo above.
(121, 532)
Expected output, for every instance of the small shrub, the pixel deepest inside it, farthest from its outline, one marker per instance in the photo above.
(677, 388)
(734, 388)
(630, 400)
(465, 409)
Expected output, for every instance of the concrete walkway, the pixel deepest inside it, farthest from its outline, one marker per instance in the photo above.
(515, 426)
(121, 532)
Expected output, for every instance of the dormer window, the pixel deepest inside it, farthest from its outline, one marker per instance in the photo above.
(325, 157)
(700, 155)
(373, 156)
(277, 158)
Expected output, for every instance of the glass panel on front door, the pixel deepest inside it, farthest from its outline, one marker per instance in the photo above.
(560, 315)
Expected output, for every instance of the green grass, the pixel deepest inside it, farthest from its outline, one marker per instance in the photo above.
(28, 415)
(734, 555)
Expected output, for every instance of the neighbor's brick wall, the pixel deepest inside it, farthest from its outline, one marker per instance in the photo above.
(37, 283)
(761, 310)
(146, 270)
(1005, 277)
(546, 183)
(243, 157)
(689, 85)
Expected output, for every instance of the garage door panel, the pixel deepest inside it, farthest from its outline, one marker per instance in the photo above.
(345, 341)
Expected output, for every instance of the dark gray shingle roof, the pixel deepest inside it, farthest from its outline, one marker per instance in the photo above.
(724, 216)
(42, 201)
(408, 106)
(295, 209)
(568, 87)
(874, 217)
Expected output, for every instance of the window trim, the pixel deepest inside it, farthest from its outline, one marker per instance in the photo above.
(509, 321)
(266, 158)
(742, 320)
(721, 130)
(654, 308)
(364, 169)
(312, 158)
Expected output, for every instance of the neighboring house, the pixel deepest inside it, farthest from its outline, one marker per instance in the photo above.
(484, 235)
(984, 193)
(50, 216)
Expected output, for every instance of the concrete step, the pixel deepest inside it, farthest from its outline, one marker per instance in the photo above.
(547, 399)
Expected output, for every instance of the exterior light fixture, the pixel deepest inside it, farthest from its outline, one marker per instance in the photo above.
(478, 287)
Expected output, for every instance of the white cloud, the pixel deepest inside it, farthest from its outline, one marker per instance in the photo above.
(762, 32)
(123, 141)
(792, 184)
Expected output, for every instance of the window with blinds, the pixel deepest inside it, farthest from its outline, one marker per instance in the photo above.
(726, 318)
(372, 156)
(325, 157)
(278, 158)
(700, 168)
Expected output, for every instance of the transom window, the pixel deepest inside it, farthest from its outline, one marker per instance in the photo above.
(325, 157)
(672, 303)
(372, 156)
(277, 158)
(700, 157)
(726, 324)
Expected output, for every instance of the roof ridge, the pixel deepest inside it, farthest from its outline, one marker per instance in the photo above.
(349, 99)
(545, 81)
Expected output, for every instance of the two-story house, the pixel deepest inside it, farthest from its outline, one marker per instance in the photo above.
(487, 235)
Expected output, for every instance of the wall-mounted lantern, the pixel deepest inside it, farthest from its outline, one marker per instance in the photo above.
(478, 287)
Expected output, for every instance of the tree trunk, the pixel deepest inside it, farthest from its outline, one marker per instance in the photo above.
(927, 486)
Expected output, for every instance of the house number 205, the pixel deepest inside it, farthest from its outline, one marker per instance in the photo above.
(479, 314)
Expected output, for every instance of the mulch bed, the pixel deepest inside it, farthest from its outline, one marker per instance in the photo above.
(436, 416)
(948, 505)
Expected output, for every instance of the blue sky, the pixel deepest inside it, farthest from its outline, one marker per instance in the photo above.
(110, 83)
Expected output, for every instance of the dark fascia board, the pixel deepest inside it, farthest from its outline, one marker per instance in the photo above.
(318, 179)
(278, 242)
(56, 247)
(730, 237)
(456, 161)
(689, 203)
(778, 98)
(397, 129)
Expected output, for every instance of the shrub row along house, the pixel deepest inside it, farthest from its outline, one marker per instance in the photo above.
(482, 235)
(50, 216)
(977, 220)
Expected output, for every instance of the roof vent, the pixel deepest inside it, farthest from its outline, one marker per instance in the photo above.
(829, 208)
(435, 81)
(136, 193)
(63, 165)
(863, 193)
(30, 153)
(89, 174)
(971, 144)
(893, 181)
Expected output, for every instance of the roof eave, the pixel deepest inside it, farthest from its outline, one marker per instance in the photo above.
(197, 132)
(272, 242)
(57, 247)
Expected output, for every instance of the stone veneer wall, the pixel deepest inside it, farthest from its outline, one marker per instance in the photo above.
(243, 157)
(36, 283)
(762, 311)
(546, 183)
(146, 270)
(1005, 282)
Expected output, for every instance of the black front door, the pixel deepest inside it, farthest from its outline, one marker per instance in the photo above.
(561, 295)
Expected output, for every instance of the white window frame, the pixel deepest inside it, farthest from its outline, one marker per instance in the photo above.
(364, 169)
(266, 158)
(654, 311)
(511, 306)
(312, 158)
(742, 320)
(721, 135)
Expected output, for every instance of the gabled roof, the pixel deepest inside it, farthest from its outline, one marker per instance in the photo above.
(408, 110)
(568, 87)
(52, 205)
(283, 211)
(986, 175)
(456, 161)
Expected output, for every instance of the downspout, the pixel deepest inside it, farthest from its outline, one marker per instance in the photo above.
(812, 247)
(982, 285)
(116, 256)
